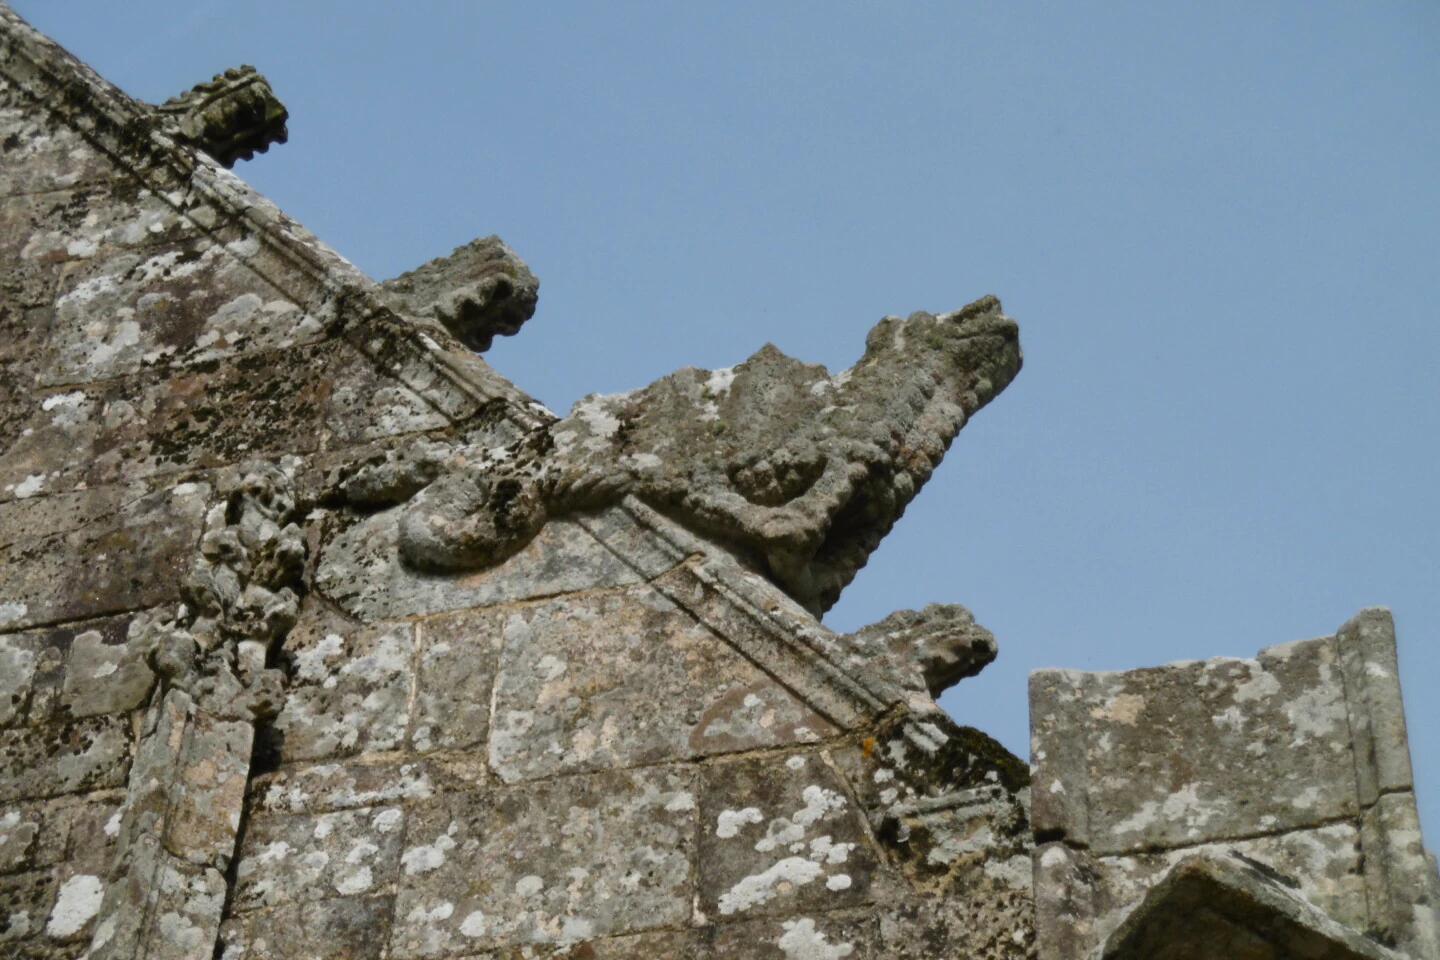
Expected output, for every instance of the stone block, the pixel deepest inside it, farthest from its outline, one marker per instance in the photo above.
(293, 859)
(207, 789)
(294, 401)
(565, 860)
(122, 559)
(1294, 759)
(349, 686)
(23, 329)
(1401, 880)
(28, 290)
(18, 653)
(456, 679)
(104, 676)
(361, 570)
(26, 900)
(626, 678)
(20, 827)
(1377, 713)
(176, 836)
(37, 518)
(76, 831)
(779, 835)
(1082, 897)
(664, 945)
(1194, 751)
(342, 928)
(88, 826)
(182, 304)
(92, 222)
(753, 618)
(55, 759)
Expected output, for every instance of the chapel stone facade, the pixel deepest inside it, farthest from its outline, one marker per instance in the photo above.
(320, 639)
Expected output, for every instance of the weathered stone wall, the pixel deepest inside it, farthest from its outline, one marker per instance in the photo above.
(239, 720)
(233, 716)
(159, 325)
(617, 744)
(1296, 760)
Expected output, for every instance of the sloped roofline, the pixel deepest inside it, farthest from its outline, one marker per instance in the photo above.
(446, 375)
(746, 611)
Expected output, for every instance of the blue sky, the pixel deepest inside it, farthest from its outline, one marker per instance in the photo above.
(1216, 223)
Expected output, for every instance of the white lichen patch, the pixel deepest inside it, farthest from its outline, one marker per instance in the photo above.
(354, 881)
(17, 668)
(1182, 806)
(474, 924)
(428, 856)
(1261, 686)
(683, 800)
(29, 487)
(1053, 857)
(761, 888)
(1231, 718)
(63, 401)
(314, 664)
(387, 820)
(801, 941)
(1319, 713)
(77, 904)
(729, 822)
(804, 858)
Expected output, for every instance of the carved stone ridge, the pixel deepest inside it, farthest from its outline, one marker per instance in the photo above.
(801, 473)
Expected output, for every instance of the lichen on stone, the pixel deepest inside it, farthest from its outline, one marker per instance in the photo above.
(232, 116)
(801, 472)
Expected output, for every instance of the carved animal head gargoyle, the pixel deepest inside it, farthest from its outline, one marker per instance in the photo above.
(800, 472)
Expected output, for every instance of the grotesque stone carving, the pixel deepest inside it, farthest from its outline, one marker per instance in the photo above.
(240, 599)
(923, 651)
(480, 291)
(232, 116)
(801, 472)
(177, 828)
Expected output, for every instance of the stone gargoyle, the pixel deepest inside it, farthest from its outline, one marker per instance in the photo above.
(800, 472)
(232, 116)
